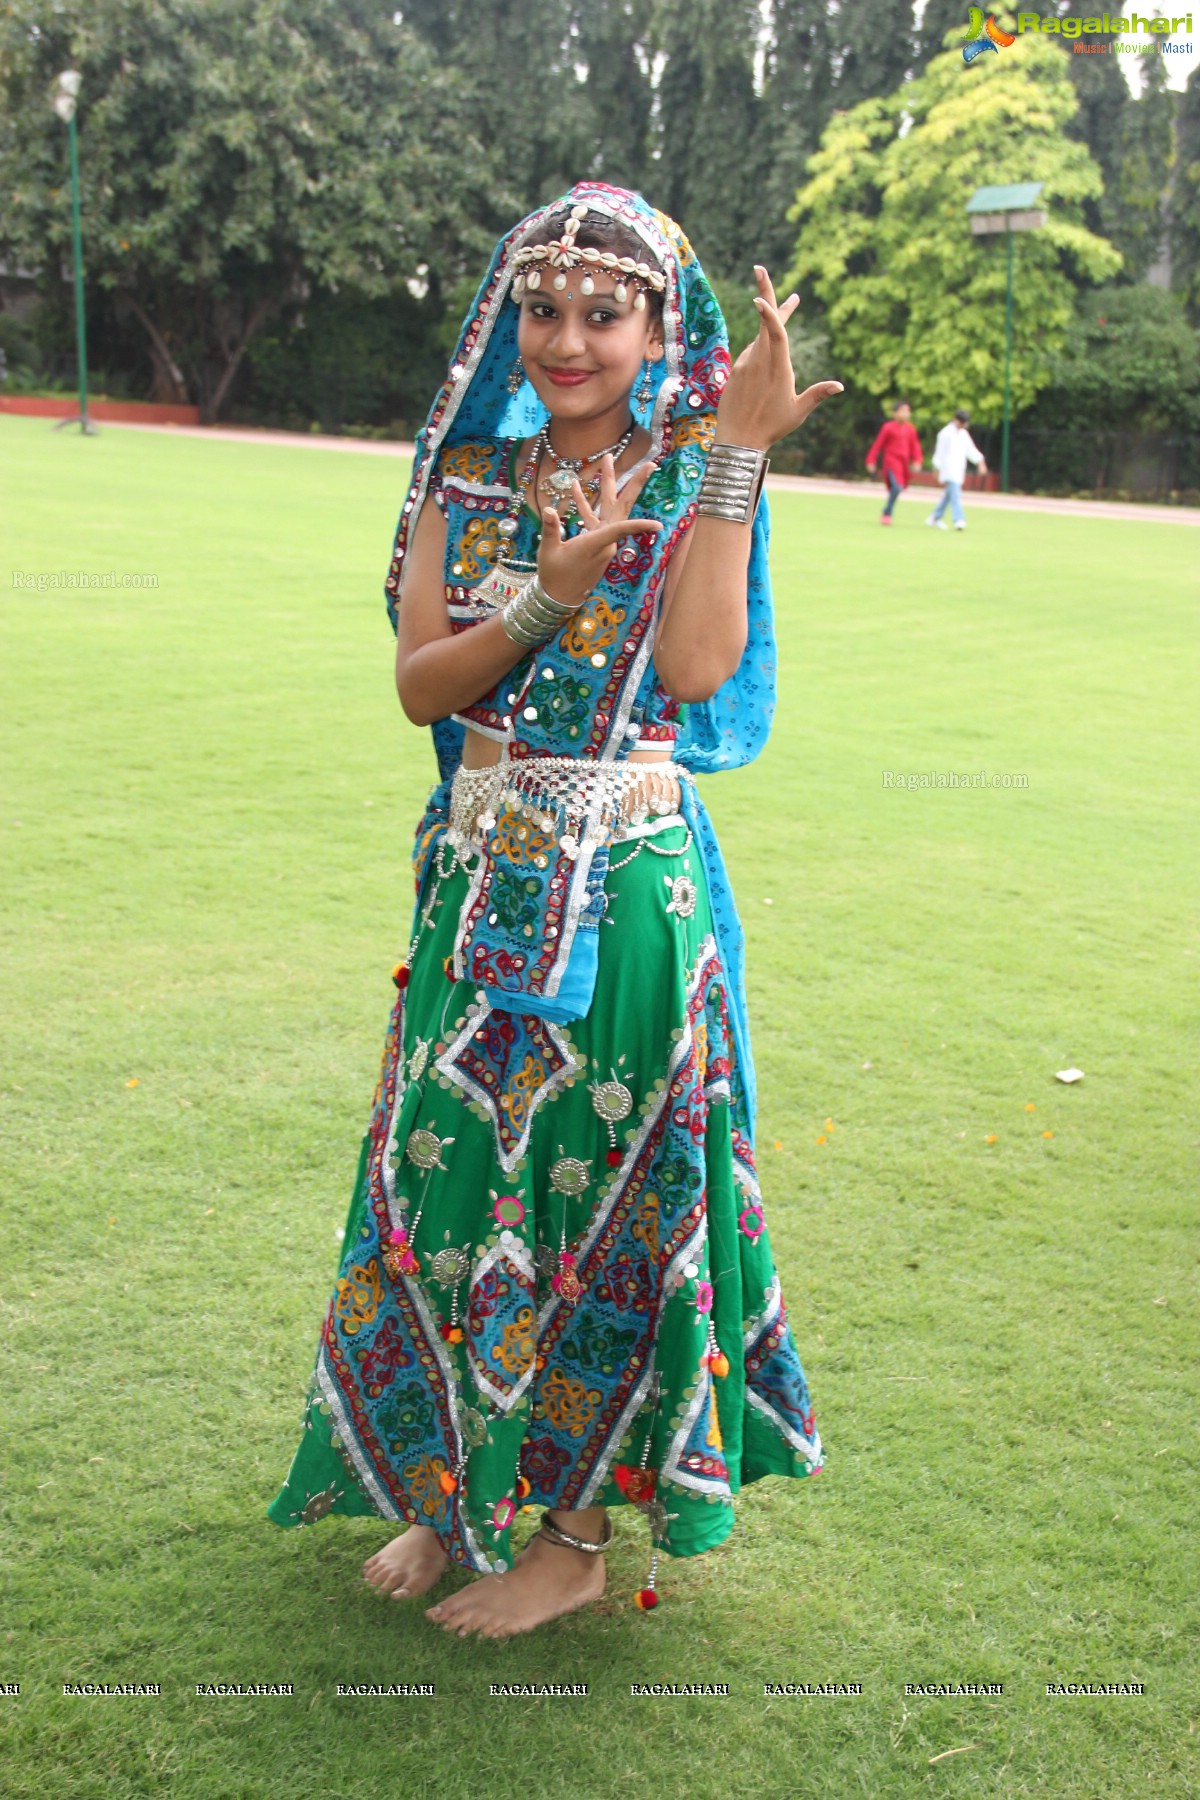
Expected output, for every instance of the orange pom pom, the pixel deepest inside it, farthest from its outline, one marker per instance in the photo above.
(522, 1487)
(719, 1364)
(646, 1598)
(447, 1482)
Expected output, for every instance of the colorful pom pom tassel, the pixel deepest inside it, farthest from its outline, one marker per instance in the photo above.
(646, 1598)
(452, 1334)
(400, 975)
(447, 1481)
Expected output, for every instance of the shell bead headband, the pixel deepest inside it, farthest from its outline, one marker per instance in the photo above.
(563, 253)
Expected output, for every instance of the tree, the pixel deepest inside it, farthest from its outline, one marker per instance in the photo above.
(797, 99)
(1131, 362)
(1132, 210)
(1185, 200)
(872, 48)
(234, 156)
(913, 301)
(614, 53)
(708, 174)
(524, 74)
(1103, 95)
(939, 17)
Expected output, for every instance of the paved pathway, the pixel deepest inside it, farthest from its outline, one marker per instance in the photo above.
(801, 484)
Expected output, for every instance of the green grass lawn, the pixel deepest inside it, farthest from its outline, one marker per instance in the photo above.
(207, 801)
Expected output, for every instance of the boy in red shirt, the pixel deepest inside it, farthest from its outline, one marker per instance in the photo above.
(900, 448)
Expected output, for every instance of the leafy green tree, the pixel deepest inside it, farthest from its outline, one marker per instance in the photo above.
(1132, 211)
(233, 156)
(939, 17)
(709, 166)
(1185, 199)
(1103, 97)
(613, 46)
(797, 99)
(524, 71)
(872, 46)
(1131, 362)
(913, 301)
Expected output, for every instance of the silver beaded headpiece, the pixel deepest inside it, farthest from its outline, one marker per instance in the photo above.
(563, 253)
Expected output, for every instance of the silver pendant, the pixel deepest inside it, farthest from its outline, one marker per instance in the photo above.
(559, 486)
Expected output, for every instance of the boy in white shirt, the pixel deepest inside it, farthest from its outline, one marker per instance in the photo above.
(953, 450)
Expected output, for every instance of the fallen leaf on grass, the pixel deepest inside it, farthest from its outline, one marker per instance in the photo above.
(1069, 1075)
(1047, 1134)
(961, 1751)
(133, 1082)
(991, 1138)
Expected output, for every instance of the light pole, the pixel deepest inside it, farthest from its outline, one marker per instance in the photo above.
(64, 105)
(1006, 209)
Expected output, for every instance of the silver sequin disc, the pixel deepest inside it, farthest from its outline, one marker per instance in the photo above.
(570, 1176)
(449, 1266)
(612, 1100)
(473, 1427)
(424, 1148)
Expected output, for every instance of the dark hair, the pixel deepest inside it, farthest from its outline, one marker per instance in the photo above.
(899, 404)
(964, 415)
(598, 232)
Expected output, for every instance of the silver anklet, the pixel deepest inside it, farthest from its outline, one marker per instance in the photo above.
(556, 1535)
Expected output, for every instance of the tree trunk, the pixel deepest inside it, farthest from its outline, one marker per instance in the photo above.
(210, 406)
(169, 383)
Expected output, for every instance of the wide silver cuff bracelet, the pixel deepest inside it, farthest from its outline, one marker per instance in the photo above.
(733, 482)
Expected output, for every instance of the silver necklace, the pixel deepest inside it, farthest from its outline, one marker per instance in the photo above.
(569, 469)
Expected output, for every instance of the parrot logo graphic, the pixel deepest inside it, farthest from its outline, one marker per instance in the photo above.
(984, 35)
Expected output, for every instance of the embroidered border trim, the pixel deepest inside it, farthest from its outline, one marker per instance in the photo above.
(508, 1159)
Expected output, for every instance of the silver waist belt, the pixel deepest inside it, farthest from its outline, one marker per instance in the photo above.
(544, 805)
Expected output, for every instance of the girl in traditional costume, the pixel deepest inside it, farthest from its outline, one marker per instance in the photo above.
(556, 1287)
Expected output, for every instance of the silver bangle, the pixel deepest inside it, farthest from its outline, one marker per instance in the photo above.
(531, 616)
(733, 482)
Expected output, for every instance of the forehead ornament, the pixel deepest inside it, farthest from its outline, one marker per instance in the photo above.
(561, 254)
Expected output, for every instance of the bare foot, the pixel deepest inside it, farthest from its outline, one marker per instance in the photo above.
(409, 1565)
(545, 1581)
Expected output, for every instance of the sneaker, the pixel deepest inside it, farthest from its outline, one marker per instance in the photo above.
(960, 524)
(938, 524)
(885, 518)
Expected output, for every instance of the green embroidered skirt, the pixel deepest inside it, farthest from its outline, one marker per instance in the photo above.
(556, 1285)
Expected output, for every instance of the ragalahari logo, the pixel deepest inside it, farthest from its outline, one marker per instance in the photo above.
(984, 35)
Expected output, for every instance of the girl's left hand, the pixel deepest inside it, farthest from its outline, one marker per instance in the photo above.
(759, 404)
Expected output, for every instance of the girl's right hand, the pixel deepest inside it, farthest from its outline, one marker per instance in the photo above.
(570, 568)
